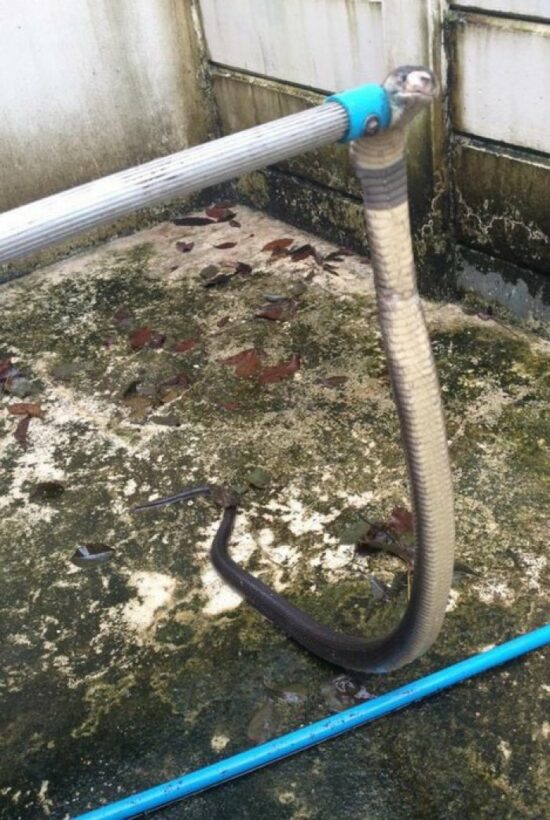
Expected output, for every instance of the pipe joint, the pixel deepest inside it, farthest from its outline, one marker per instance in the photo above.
(368, 109)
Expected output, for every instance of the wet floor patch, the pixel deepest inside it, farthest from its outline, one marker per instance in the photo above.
(244, 352)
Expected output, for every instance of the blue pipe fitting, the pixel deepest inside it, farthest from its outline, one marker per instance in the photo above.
(368, 109)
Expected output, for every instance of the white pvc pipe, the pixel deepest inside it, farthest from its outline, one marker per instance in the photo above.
(32, 227)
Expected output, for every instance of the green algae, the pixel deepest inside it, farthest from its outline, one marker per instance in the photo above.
(108, 693)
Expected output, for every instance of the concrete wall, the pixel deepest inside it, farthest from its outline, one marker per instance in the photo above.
(93, 86)
(273, 57)
(499, 53)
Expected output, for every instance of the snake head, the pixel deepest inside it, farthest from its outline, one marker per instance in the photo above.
(410, 88)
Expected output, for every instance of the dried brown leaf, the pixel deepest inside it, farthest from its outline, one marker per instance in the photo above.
(220, 213)
(303, 252)
(278, 244)
(185, 247)
(243, 268)
(185, 345)
(278, 311)
(25, 409)
(146, 337)
(401, 521)
(280, 371)
(193, 220)
(247, 363)
(20, 433)
(5, 367)
(223, 246)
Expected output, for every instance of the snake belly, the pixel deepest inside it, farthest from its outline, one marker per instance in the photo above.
(380, 164)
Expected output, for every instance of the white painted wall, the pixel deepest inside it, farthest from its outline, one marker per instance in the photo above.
(501, 91)
(92, 86)
(328, 45)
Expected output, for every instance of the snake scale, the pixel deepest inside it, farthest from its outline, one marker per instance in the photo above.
(379, 162)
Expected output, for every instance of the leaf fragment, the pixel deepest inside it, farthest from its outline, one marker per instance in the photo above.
(193, 220)
(223, 246)
(401, 521)
(185, 345)
(26, 409)
(281, 371)
(278, 244)
(185, 247)
(20, 433)
(220, 212)
(247, 363)
(243, 268)
(146, 337)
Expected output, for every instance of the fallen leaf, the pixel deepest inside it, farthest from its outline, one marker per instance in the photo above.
(5, 367)
(280, 371)
(225, 246)
(225, 203)
(146, 337)
(278, 244)
(25, 409)
(193, 220)
(243, 268)
(246, 363)
(185, 247)
(223, 321)
(401, 521)
(185, 345)
(220, 213)
(20, 433)
(303, 252)
(273, 312)
(234, 223)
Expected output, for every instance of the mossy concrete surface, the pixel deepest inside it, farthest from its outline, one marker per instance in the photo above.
(125, 674)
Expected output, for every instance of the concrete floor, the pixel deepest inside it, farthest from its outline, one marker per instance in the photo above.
(128, 673)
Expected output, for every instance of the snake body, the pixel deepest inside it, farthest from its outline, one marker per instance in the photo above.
(380, 164)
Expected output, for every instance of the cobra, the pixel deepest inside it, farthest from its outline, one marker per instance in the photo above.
(379, 160)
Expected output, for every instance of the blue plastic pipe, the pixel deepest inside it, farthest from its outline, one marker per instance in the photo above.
(289, 744)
